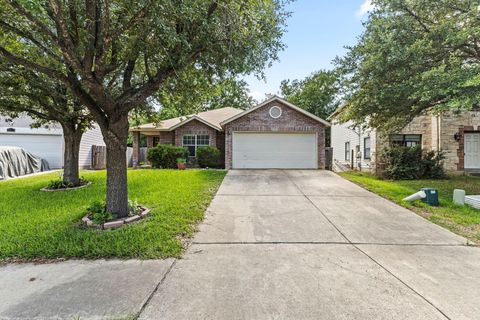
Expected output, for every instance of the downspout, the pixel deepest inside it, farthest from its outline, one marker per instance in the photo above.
(359, 134)
(438, 132)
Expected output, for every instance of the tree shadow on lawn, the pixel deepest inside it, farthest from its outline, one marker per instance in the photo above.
(38, 225)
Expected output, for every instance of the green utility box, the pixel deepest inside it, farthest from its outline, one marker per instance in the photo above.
(432, 196)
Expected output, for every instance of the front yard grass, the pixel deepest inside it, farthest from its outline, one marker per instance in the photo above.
(45, 225)
(462, 220)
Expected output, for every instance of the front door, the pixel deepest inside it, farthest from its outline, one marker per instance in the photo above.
(472, 150)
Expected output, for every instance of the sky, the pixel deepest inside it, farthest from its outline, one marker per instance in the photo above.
(316, 33)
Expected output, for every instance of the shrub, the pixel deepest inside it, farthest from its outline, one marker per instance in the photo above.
(209, 157)
(165, 155)
(408, 163)
(99, 213)
(133, 208)
(60, 184)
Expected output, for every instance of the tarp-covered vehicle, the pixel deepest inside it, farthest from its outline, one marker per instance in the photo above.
(15, 162)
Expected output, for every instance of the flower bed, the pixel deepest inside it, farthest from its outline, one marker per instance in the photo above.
(49, 189)
(115, 223)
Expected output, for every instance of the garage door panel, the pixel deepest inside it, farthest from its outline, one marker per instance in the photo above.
(274, 150)
(48, 147)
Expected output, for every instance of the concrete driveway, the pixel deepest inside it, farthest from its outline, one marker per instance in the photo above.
(280, 244)
(275, 244)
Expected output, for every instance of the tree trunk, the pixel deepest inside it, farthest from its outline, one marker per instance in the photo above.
(72, 137)
(115, 137)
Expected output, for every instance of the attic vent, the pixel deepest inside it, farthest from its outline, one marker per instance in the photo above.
(275, 112)
(10, 129)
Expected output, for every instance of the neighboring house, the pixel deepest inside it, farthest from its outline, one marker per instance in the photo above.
(46, 143)
(273, 134)
(457, 135)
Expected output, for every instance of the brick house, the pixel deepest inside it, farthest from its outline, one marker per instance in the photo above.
(273, 134)
(456, 134)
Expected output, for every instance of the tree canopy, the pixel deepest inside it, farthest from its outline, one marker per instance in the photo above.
(115, 55)
(414, 56)
(193, 92)
(317, 93)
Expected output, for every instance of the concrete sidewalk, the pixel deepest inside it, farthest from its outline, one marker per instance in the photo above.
(275, 244)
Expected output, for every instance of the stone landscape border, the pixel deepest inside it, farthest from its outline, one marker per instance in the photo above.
(115, 223)
(46, 189)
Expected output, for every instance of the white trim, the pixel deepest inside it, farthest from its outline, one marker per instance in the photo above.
(194, 118)
(196, 145)
(275, 108)
(476, 163)
(288, 104)
(31, 131)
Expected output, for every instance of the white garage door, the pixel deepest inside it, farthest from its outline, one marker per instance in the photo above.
(274, 151)
(48, 147)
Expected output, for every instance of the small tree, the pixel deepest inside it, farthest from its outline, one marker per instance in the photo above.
(46, 101)
(115, 55)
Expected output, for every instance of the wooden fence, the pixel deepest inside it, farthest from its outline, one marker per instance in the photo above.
(99, 157)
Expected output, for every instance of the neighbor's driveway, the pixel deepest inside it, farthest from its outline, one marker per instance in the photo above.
(274, 245)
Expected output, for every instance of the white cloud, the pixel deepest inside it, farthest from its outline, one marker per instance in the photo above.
(257, 95)
(366, 7)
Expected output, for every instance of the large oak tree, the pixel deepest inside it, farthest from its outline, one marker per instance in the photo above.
(414, 56)
(114, 55)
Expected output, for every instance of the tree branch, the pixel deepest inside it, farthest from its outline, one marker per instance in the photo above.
(29, 36)
(43, 28)
(26, 63)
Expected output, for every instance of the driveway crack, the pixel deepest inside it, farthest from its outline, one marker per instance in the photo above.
(154, 291)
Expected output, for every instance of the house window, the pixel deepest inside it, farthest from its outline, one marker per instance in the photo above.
(366, 148)
(193, 141)
(347, 151)
(406, 140)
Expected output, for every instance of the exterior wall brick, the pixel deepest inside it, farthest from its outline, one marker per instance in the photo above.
(136, 148)
(260, 121)
(221, 144)
(149, 142)
(166, 137)
(195, 127)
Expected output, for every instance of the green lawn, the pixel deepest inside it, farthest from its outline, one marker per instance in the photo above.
(36, 225)
(462, 220)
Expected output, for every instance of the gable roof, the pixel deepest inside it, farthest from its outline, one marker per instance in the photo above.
(337, 111)
(283, 101)
(211, 118)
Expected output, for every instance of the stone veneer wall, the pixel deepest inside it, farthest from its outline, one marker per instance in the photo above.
(259, 120)
(451, 123)
(420, 125)
(438, 133)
